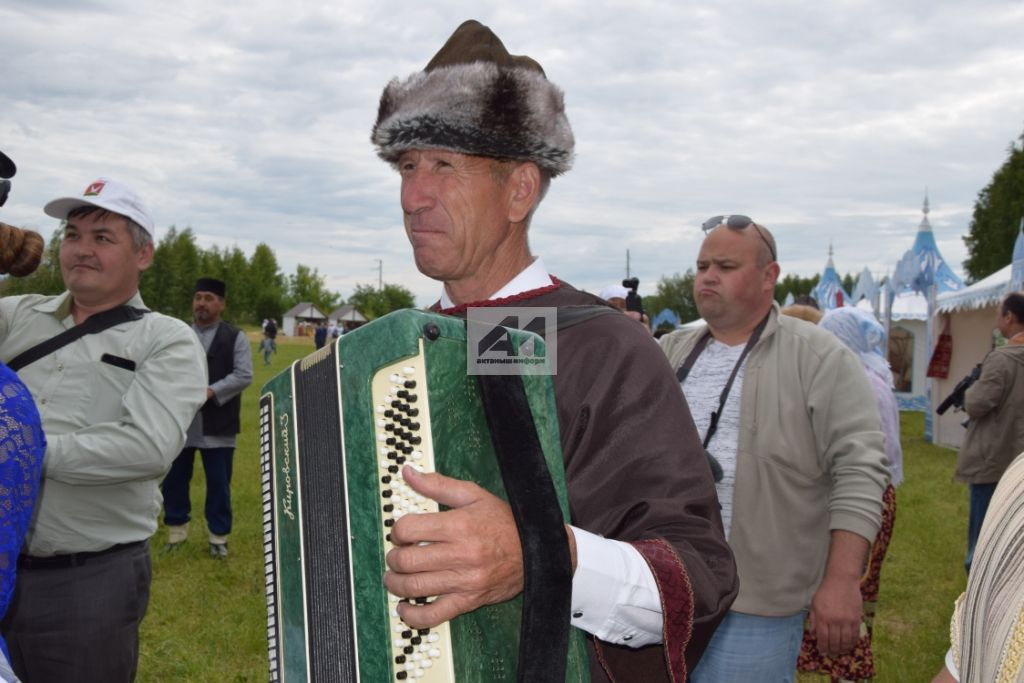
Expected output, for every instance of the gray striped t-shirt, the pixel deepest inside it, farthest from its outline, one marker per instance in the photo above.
(703, 390)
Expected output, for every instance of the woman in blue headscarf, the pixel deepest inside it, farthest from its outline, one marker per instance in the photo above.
(864, 335)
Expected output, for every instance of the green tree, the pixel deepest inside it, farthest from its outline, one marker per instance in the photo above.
(997, 215)
(168, 284)
(266, 284)
(373, 302)
(211, 262)
(676, 294)
(795, 285)
(47, 278)
(309, 285)
(849, 282)
(235, 274)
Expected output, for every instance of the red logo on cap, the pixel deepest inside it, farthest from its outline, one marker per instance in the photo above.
(94, 189)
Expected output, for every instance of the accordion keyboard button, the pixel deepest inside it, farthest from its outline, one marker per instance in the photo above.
(407, 436)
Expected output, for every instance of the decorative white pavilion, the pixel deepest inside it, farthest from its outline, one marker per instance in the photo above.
(909, 345)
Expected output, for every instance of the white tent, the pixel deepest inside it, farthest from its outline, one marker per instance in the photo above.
(304, 312)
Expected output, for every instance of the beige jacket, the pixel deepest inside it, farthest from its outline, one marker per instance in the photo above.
(810, 458)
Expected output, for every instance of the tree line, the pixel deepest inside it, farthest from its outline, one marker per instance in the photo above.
(257, 288)
(676, 293)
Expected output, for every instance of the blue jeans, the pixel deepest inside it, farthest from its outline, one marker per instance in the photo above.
(980, 497)
(178, 505)
(752, 649)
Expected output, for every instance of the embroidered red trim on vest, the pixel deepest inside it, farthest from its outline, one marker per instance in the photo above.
(504, 301)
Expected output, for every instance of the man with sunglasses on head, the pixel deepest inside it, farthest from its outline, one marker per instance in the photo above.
(786, 410)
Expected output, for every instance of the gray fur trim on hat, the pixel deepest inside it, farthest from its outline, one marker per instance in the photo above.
(478, 108)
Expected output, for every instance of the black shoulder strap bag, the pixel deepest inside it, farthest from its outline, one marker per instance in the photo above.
(91, 325)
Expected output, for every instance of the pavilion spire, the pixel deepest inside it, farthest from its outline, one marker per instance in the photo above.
(925, 226)
(829, 291)
(933, 267)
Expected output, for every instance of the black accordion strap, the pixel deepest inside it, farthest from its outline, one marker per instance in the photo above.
(91, 325)
(547, 566)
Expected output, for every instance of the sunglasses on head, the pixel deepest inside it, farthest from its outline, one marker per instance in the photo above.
(737, 222)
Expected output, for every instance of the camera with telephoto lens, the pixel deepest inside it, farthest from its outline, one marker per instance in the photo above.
(956, 397)
(634, 302)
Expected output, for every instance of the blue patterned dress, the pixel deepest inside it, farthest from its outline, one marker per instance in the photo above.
(22, 445)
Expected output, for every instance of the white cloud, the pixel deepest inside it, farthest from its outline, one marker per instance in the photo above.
(250, 122)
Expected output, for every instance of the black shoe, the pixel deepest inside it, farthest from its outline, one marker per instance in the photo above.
(219, 550)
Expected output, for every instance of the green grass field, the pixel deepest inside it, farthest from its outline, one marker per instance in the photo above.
(207, 618)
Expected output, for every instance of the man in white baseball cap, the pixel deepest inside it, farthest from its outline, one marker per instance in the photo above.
(115, 404)
(107, 194)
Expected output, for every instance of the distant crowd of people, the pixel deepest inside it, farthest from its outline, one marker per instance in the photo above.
(732, 485)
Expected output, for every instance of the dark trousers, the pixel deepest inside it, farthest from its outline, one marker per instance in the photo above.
(79, 624)
(980, 497)
(178, 505)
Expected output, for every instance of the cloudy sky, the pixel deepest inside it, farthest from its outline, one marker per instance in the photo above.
(249, 122)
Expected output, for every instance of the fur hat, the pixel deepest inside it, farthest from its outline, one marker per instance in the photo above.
(475, 98)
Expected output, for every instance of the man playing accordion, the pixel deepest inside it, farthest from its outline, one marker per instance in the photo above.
(476, 138)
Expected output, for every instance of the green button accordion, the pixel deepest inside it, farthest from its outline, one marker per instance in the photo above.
(336, 429)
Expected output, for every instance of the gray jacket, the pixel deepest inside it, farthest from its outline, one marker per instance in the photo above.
(810, 458)
(995, 404)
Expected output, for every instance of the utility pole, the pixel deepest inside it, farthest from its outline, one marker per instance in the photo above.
(380, 275)
(627, 264)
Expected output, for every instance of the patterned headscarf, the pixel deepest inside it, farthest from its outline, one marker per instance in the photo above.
(859, 330)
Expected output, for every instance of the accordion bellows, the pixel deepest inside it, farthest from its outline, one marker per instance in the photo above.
(336, 428)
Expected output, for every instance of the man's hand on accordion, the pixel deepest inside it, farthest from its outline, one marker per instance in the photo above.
(467, 556)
